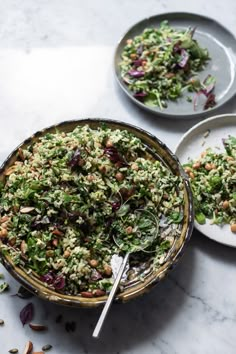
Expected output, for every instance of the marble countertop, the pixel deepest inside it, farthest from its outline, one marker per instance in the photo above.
(56, 64)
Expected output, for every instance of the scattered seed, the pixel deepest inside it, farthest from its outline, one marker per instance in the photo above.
(46, 347)
(1, 322)
(13, 351)
(59, 319)
(37, 327)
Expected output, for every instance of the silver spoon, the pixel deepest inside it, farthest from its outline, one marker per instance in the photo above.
(142, 246)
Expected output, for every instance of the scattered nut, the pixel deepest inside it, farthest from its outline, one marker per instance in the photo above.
(99, 292)
(28, 348)
(37, 327)
(86, 294)
(233, 227)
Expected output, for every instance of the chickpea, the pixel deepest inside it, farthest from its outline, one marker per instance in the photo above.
(93, 263)
(129, 41)
(133, 56)
(119, 176)
(102, 169)
(233, 227)
(107, 270)
(66, 254)
(203, 154)
(129, 230)
(90, 178)
(109, 143)
(225, 204)
(196, 165)
(187, 169)
(208, 166)
(191, 175)
(3, 233)
(134, 166)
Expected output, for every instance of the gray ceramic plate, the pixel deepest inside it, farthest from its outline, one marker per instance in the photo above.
(211, 35)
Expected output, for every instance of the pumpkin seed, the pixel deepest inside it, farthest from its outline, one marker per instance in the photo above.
(13, 351)
(46, 347)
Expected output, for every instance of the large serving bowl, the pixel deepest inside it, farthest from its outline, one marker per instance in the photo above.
(151, 277)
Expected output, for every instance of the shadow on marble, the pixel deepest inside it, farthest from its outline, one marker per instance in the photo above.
(177, 125)
(222, 253)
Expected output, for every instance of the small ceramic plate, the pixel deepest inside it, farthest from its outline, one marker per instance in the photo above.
(221, 45)
(192, 144)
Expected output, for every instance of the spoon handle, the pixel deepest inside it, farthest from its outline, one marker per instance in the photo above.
(110, 297)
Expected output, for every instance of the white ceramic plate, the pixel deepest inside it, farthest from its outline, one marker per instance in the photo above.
(192, 144)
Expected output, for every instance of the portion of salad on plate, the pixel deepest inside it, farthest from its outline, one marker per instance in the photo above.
(162, 63)
(67, 196)
(213, 182)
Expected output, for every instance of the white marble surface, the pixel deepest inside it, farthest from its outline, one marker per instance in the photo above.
(56, 64)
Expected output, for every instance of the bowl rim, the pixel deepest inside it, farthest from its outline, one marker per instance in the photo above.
(39, 288)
